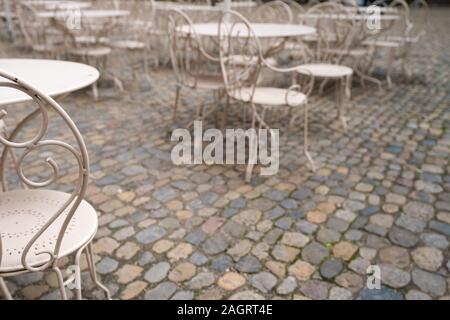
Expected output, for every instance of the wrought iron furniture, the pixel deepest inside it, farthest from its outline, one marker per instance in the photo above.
(39, 35)
(395, 38)
(87, 42)
(55, 77)
(333, 40)
(194, 68)
(275, 11)
(39, 225)
(237, 38)
(130, 38)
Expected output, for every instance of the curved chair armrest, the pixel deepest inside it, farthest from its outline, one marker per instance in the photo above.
(310, 84)
(297, 87)
(294, 87)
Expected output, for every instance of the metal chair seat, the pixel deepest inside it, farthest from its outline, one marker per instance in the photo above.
(208, 82)
(24, 212)
(355, 52)
(383, 43)
(127, 44)
(325, 70)
(270, 96)
(243, 60)
(90, 40)
(46, 48)
(93, 51)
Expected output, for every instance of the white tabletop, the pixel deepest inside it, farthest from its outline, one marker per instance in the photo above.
(90, 14)
(239, 4)
(168, 5)
(373, 8)
(4, 14)
(358, 16)
(262, 30)
(52, 77)
(59, 4)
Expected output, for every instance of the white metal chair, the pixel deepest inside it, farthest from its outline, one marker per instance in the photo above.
(193, 67)
(241, 80)
(39, 225)
(39, 35)
(9, 19)
(275, 11)
(395, 38)
(332, 42)
(131, 37)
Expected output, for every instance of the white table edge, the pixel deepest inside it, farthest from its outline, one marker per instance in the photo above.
(53, 94)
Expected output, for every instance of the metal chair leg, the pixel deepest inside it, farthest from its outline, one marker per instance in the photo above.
(93, 272)
(77, 279)
(175, 106)
(4, 289)
(390, 61)
(95, 91)
(363, 77)
(341, 87)
(305, 137)
(225, 111)
(322, 86)
(147, 76)
(252, 152)
(61, 283)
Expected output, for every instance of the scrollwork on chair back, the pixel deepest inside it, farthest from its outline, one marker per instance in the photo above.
(403, 26)
(275, 11)
(33, 29)
(336, 31)
(45, 105)
(419, 12)
(240, 54)
(188, 57)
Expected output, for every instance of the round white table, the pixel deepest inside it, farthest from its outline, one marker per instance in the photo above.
(59, 4)
(261, 30)
(352, 16)
(88, 14)
(52, 77)
(371, 9)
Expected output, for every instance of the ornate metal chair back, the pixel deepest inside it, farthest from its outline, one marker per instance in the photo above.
(238, 39)
(23, 148)
(336, 31)
(188, 57)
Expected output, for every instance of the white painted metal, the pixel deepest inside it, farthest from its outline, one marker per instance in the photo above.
(52, 76)
(261, 30)
(357, 16)
(56, 4)
(24, 212)
(88, 14)
(39, 226)
(9, 18)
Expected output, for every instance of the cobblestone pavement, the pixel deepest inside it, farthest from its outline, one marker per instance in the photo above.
(381, 196)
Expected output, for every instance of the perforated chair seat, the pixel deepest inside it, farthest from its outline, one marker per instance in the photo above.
(325, 70)
(24, 212)
(270, 96)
